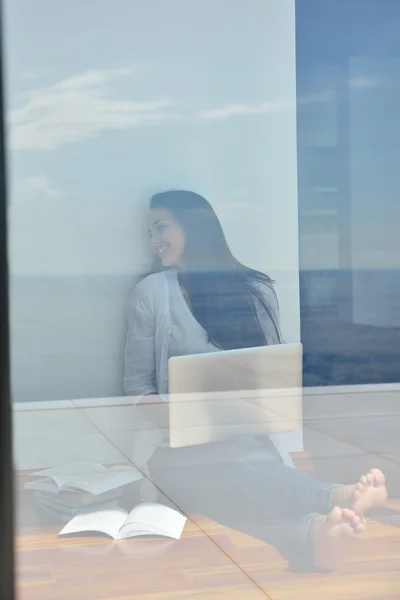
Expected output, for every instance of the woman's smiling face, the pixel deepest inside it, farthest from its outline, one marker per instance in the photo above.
(167, 238)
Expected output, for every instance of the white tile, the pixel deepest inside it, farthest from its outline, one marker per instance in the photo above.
(351, 389)
(124, 440)
(322, 445)
(106, 418)
(376, 434)
(357, 404)
(44, 422)
(43, 451)
(51, 405)
(126, 417)
(138, 447)
(104, 402)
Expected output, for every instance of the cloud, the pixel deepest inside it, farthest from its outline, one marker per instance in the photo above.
(266, 108)
(78, 108)
(237, 110)
(42, 185)
(362, 81)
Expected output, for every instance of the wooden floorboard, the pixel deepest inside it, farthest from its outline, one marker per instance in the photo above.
(221, 564)
(209, 562)
(343, 438)
(97, 568)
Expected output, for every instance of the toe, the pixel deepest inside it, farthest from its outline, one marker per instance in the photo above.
(360, 487)
(335, 516)
(364, 480)
(361, 523)
(359, 528)
(356, 521)
(370, 479)
(379, 477)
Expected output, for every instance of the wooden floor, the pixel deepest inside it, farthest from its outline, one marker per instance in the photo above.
(212, 562)
(209, 562)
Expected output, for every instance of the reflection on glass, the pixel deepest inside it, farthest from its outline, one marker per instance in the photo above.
(157, 387)
(348, 189)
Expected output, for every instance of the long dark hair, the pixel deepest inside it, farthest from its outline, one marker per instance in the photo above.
(223, 292)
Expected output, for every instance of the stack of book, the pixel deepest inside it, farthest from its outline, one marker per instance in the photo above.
(64, 492)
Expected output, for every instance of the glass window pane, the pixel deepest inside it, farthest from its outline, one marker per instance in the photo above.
(204, 297)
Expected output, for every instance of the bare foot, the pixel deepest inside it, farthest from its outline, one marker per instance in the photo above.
(332, 535)
(368, 493)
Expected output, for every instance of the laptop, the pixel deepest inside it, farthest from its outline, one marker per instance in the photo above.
(219, 395)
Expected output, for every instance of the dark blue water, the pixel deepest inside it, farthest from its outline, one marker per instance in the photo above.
(68, 333)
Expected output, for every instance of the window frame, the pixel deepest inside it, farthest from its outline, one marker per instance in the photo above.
(6, 472)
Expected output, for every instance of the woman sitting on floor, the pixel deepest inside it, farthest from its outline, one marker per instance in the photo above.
(199, 298)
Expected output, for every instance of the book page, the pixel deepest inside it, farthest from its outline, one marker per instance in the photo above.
(108, 521)
(77, 467)
(87, 476)
(42, 485)
(99, 483)
(122, 469)
(153, 519)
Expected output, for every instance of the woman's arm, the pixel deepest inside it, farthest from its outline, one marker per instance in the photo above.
(140, 360)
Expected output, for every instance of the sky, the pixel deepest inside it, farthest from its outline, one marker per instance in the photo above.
(109, 101)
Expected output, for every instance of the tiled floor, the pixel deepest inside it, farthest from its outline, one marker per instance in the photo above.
(334, 425)
(47, 438)
(343, 433)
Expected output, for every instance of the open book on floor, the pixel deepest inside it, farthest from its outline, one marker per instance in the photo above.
(85, 476)
(117, 523)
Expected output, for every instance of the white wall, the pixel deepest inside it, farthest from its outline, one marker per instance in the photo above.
(191, 95)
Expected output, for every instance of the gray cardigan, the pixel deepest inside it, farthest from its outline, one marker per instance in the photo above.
(149, 332)
(147, 352)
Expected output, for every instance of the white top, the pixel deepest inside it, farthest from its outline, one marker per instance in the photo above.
(187, 335)
(161, 325)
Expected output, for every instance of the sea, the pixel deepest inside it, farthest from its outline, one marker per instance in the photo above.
(68, 333)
